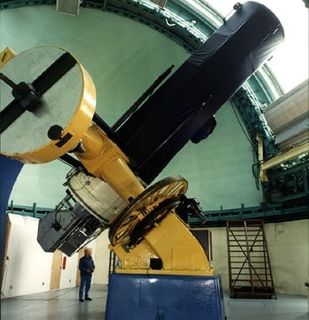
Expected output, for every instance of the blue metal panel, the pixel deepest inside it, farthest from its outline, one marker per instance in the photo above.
(9, 170)
(157, 297)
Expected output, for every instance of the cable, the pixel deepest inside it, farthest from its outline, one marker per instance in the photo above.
(255, 173)
(242, 128)
(255, 168)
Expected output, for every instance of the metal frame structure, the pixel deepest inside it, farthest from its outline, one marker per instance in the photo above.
(269, 212)
(289, 182)
(250, 274)
(216, 218)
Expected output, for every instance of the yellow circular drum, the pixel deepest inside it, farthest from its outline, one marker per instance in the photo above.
(47, 104)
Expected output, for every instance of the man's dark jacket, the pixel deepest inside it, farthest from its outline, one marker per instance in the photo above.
(86, 266)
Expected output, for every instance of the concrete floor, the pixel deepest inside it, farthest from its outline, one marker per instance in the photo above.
(63, 304)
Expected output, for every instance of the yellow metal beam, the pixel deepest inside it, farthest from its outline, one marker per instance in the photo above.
(260, 149)
(286, 156)
(104, 159)
(5, 55)
(170, 240)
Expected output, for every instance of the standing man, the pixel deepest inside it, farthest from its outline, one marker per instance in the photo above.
(86, 267)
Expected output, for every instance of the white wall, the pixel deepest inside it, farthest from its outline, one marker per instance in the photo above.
(102, 259)
(289, 253)
(28, 269)
(288, 245)
(219, 253)
(68, 275)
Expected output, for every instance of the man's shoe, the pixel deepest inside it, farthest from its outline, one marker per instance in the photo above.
(89, 299)
(81, 300)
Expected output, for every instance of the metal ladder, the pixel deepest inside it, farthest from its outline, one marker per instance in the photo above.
(250, 274)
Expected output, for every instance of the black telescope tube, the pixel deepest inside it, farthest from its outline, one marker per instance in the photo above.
(208, 78)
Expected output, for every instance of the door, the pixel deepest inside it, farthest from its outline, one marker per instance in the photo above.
(56, 270)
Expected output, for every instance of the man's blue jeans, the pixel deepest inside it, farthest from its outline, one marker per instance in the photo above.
(85, 283)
